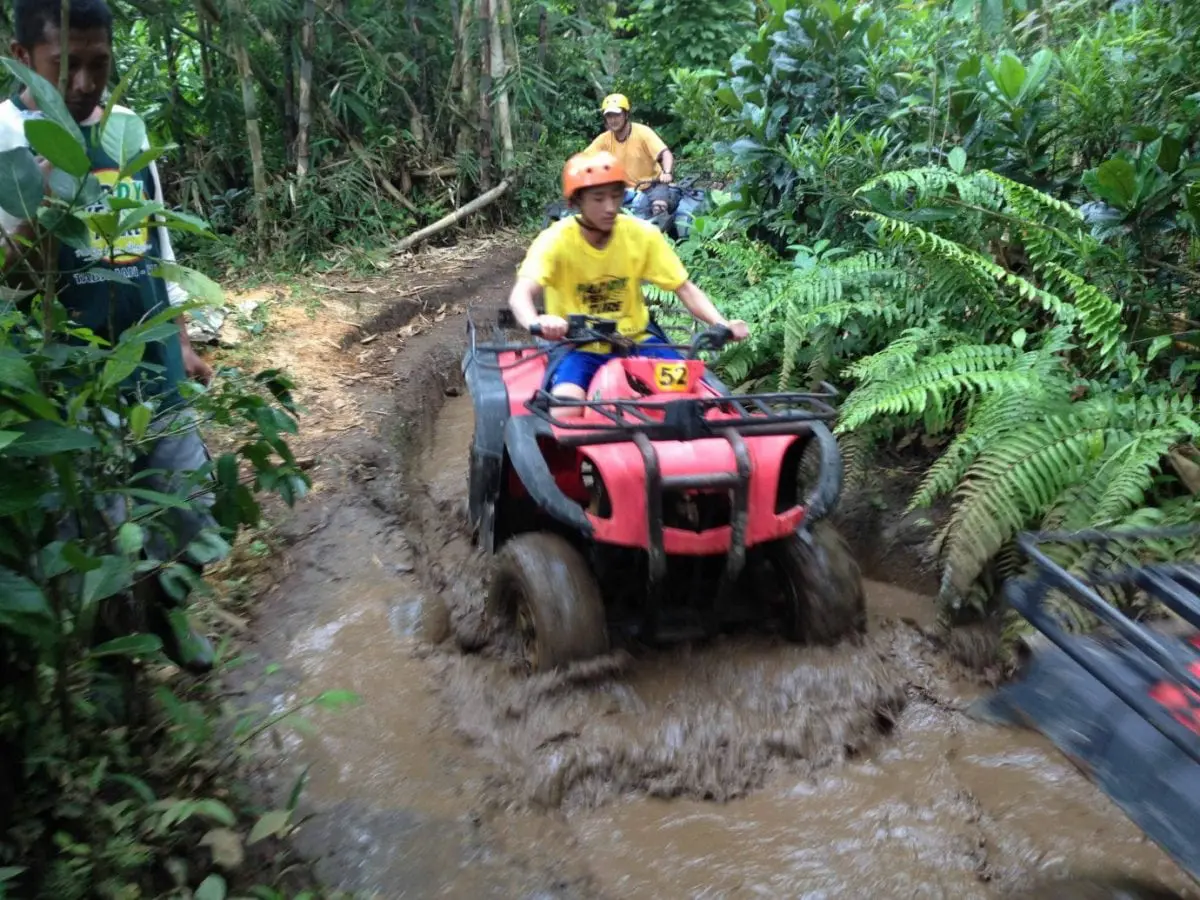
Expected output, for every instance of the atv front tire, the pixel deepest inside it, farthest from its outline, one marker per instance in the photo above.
(822, 586)
(543, 589)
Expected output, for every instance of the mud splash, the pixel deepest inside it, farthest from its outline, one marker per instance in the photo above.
(738, 767)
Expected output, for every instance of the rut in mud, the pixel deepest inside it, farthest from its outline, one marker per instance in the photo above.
(737, 767)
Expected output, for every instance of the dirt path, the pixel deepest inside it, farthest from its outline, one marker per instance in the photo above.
(736, 769)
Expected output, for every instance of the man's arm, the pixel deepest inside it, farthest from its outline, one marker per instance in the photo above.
(522, 301)
(194, 365)
(702, 308)
(666, 159)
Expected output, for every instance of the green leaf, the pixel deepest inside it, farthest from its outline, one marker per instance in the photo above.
(991, 15)
(131, 537)
(185, 222)
(7, 437)
(337, 699)
(8, 873)
(65, 225)
(217, 812)
(79, 192)
(197, 284)
(1039, 70)
(129, 645)
(123, 137)
(134, 217)
(269, 824)
(44, 438)
(1158, 345)
(1116, 182)
(135, 784)
(1019, 337)
(114, 575)
(139, 420)
(148, 496)
(143, 159)
(49, 101)
(211, 888)
(21, 185)
(958, 160)
(23, 606)
(16, 372)
(59, 146)
(1009, 76)
(208, 547)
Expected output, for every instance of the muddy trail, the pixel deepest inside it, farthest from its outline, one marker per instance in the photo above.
(740, 767)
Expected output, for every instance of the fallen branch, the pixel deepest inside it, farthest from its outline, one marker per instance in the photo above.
(453, 218)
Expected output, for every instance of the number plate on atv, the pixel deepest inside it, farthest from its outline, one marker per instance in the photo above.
(671, 376)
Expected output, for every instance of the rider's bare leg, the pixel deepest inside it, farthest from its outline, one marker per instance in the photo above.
(568, 392)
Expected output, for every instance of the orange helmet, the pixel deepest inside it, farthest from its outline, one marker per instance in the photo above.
(591, 170)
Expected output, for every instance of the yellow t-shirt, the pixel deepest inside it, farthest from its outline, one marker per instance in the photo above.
(638, 153)
(578, 278)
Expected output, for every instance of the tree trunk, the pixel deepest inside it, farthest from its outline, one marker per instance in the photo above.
(485, 94)
(289, 90)
(499, 61)
(253, 134)
(304, 126)
(542, 53)
(178, 133)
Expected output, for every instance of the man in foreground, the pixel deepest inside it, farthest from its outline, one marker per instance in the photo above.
(594, 263)
(109, 307)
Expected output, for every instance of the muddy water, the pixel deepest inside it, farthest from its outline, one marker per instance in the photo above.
(737, 768)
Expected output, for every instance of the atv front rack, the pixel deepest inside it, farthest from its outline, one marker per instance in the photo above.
(1125, 706)
(751, 415)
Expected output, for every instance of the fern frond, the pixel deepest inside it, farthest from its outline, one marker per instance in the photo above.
(992, 418)
(974, 367)
(1099, 314)
(1035, 471)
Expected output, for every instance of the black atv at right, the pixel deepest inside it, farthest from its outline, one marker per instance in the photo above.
(1123, 703)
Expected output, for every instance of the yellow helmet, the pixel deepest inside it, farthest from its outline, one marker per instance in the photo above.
(615, 103)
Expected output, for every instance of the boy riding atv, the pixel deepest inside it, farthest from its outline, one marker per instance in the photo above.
(594, 263)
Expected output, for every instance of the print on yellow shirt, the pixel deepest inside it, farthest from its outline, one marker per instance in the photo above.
(578, 278)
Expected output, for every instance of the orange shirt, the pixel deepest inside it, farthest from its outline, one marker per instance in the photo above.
(638, 153)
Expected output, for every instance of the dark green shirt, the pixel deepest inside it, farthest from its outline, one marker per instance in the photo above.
(108, 307)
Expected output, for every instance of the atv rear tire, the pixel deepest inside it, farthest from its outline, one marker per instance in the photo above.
(544, 591)
(822, 586)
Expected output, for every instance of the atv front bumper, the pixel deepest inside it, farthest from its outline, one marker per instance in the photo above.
(522, 436)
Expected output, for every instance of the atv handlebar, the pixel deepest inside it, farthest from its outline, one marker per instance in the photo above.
(583, 329)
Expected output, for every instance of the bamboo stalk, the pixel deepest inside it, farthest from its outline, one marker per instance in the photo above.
(307, 40)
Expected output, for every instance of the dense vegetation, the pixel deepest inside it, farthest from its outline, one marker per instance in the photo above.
(978, 218)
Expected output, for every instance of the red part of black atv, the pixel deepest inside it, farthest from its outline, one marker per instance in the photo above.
(1125, 706)
(674, 505)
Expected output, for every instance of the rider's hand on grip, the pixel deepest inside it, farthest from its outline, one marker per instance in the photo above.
(739, 330)
(553, 328)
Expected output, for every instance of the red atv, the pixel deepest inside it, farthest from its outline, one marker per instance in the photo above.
(670, 508)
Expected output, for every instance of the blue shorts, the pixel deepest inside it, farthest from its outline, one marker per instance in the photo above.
(579, 367)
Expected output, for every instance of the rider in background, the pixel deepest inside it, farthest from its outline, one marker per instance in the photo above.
(642, 153)
(594, 263)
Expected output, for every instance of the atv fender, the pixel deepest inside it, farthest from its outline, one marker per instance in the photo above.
(823, 498)
(521, 435)
(489, 399)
